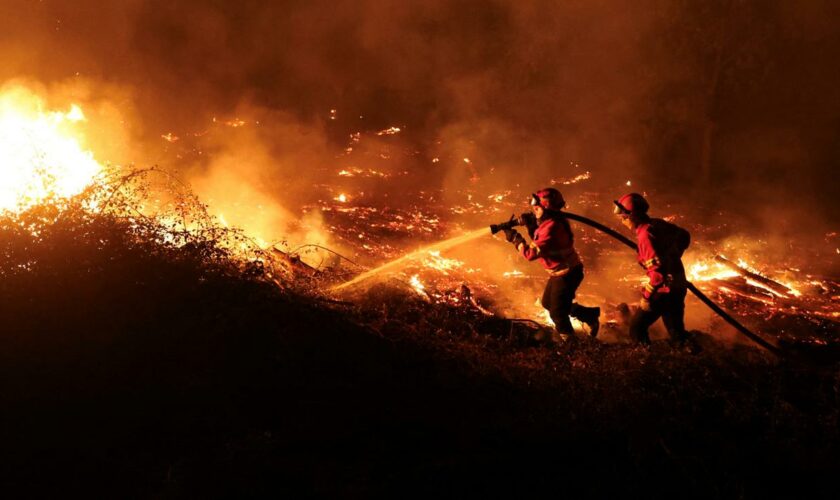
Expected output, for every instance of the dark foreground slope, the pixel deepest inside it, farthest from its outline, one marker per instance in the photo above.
(136, 370)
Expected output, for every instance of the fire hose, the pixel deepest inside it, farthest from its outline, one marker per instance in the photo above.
(697, 293)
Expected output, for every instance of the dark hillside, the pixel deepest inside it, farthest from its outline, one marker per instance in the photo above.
(134, 368)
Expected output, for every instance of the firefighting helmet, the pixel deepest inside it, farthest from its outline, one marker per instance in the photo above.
(631, 204)
(548, 198)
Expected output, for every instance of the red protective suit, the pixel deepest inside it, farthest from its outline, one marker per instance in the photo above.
(553, 244)
(661, 245)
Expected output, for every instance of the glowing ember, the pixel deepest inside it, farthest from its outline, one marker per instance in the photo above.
(234, 123)
(543, 316)
(500, 197)
(574, 180)
(707, 271)
(354, 171)
(442, 264)
(40, 154)
(341, 198)
(719, 270)
(418, 287)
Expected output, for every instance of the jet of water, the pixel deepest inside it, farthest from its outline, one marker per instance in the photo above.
(396, 263)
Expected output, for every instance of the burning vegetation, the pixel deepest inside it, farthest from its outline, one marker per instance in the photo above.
(127, 296)
(294, 289)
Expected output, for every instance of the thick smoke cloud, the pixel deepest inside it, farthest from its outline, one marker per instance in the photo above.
(733, 103)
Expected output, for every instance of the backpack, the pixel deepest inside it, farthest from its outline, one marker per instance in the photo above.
(669, 239)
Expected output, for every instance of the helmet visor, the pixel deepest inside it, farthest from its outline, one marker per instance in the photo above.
(619, 209)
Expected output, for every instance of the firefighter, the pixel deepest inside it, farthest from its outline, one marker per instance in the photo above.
(553, 244)
(660, 249)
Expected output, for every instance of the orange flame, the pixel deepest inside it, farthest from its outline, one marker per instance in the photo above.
(40, 152)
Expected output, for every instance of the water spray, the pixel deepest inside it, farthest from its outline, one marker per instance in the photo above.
(439, 246)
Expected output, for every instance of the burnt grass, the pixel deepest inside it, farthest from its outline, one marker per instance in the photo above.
(133, 368)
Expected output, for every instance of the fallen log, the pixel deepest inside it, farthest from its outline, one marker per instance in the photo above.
(741, 287)
(772, 285)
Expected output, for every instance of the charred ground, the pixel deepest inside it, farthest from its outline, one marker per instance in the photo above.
(136, 367)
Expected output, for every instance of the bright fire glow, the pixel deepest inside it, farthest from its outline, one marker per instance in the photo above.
(707, 271)
(442, 264)
(712, 270)
(40, 154)
(543, 316)
(417, 285)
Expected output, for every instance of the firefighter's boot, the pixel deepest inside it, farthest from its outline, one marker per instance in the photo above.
(589, 316)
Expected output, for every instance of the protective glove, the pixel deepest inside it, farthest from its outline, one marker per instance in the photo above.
(514, 237)
(644, 304)
(529, 220)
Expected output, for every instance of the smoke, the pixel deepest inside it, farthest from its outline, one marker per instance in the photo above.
(504, 95)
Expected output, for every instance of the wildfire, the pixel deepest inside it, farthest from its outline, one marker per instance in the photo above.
(355, 171)
(707, 271)
(722, 269)
(389, 131)
(573, 180)
(40, 153)
(441, 264)
(418, 287)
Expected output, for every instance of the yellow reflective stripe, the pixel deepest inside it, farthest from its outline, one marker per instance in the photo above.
(650, 263)
(535, 247)
(650, 288)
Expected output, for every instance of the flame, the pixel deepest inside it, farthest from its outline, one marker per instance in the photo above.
(355, 171)
(707, 271)
(442, 264)
(574, 180)
(40, 152)
(389, 131)
(712, 270)
(417, 285)
(543, 316)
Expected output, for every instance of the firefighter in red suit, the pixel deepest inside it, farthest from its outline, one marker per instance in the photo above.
(660, 249)
(552, 243)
